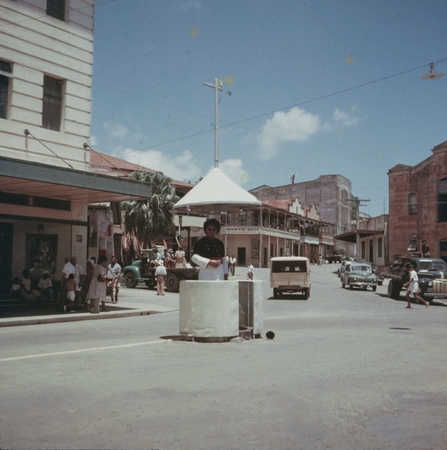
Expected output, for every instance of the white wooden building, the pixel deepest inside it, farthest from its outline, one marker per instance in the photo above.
(46, 181)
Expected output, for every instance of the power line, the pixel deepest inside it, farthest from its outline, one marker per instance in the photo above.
(368, 83)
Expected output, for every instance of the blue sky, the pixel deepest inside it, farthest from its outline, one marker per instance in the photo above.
(317, 87)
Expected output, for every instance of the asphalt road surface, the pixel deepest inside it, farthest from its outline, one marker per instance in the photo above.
(346, 370)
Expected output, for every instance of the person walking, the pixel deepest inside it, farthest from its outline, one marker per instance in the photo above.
(114, 283)
(250, 271)
(413, 288)
(233, 262)
(160, 275)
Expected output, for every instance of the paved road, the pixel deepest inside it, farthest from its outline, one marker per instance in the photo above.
(346, 370)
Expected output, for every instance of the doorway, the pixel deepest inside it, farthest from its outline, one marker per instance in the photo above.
(5, 256)
(241, 258)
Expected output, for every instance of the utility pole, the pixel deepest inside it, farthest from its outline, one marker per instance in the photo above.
(357, 234)
(217, 86)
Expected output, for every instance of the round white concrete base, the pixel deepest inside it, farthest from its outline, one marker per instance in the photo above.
(209, 310)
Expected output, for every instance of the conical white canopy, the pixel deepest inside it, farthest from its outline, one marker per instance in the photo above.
(216, 192)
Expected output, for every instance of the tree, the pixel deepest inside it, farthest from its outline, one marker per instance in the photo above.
(155, 215)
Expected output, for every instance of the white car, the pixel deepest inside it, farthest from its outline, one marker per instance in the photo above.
(290, 274)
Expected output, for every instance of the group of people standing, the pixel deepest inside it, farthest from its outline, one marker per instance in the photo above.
(76, 288)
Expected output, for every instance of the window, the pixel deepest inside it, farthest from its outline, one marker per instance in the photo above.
(412, 204)
(56, 9)
(255, 248)
(379, 248)
(52, 103)
(5, 75)
(442, 201)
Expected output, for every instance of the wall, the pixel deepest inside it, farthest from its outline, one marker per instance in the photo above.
(36, 44)
(421, 180)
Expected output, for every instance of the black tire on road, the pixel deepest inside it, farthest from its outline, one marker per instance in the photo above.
(374, 288)
(172, 282)
(394, 287)
(130, 280)
(306, 293)
(275, 293)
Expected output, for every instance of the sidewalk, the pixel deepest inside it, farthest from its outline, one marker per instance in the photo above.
(140, 301)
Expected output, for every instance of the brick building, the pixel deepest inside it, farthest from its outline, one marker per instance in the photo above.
(330, 194)
(418, 204)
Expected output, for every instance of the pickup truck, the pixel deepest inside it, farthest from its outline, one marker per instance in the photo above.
(431, 273)
(141, 271)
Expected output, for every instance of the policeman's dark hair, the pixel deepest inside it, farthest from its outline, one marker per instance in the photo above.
(209, 222)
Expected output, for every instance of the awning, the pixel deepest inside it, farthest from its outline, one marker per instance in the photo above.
(42, 180)
(351, 236)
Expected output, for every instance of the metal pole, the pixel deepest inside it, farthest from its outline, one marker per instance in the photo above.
(217, 87)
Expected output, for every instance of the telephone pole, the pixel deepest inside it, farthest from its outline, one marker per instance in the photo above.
(217, 86)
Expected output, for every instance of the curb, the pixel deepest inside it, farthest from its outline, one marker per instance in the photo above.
(78, 318)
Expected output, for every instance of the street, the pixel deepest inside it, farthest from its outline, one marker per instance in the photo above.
(346, 370)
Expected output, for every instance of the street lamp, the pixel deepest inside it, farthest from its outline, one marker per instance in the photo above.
(432, 75)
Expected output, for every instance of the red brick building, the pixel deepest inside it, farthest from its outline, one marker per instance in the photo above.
(418, 204)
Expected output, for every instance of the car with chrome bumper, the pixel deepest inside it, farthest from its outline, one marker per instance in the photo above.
(359, 275)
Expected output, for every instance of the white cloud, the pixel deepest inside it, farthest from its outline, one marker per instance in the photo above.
(234, 169)
(116, 130)
(295, 125)
(345, 118)
(180, 168)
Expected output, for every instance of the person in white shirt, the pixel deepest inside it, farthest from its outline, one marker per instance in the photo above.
(79, 278)
(45, 287)
(160, 275)
(413, 287)
(114, 271)
(233, 262)
(250, 271)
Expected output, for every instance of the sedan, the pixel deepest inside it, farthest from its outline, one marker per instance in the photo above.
(359, 275)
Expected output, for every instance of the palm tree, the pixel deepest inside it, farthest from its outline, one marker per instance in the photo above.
(155, 215)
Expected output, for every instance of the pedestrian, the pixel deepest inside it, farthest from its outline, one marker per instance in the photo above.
(98, 285)
(79, 278)
(114, 282)
(250, 271)
(71, 287)
(89, 274)
(160, 275)
(209, 253)
(180, 260)
(66, 271)
(413, 287)
(233, 262)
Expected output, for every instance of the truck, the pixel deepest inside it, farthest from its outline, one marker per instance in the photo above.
(141, 271)
(336, 257)
(431, 274)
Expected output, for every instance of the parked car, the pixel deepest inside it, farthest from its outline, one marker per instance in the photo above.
(359, 274)
(290, 274)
